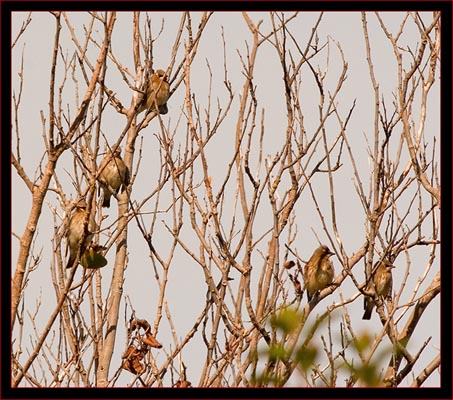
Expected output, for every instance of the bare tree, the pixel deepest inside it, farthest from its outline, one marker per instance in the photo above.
(247, 217)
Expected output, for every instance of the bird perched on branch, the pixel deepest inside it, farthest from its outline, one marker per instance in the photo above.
(81, 227)
(319, 272)
(93, 257)
(382, 279)
(156, 93)
(114, 174)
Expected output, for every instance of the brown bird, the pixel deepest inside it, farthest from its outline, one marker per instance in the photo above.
(80, 226)
(93, 257)
(382, 279)
(157, 93)
(319, 272)
(114, 174)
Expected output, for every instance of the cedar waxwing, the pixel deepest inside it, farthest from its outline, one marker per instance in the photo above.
(319, 272)
(93, 257)
(382, 279)
(114, 174)
(76, 231)
(156, 94)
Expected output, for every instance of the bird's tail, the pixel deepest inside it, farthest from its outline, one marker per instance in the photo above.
(71, 260)
(106, 199)
(368, 309)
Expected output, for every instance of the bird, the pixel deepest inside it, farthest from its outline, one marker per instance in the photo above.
(114, 174)
(382, 279)
(156, 94)
(319, 272)
(93, 257)
(80, 226)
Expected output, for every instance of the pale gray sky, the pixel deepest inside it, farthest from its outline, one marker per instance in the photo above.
(186, 289)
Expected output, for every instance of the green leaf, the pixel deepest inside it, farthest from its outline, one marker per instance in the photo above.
(277, 352)
(306, 356)
(368, 374)
(362, 342)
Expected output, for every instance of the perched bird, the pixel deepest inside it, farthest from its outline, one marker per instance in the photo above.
(156, 93)
(318, 273)
(93, 257)
(114, 174)
(80, 226)
(382, 279)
